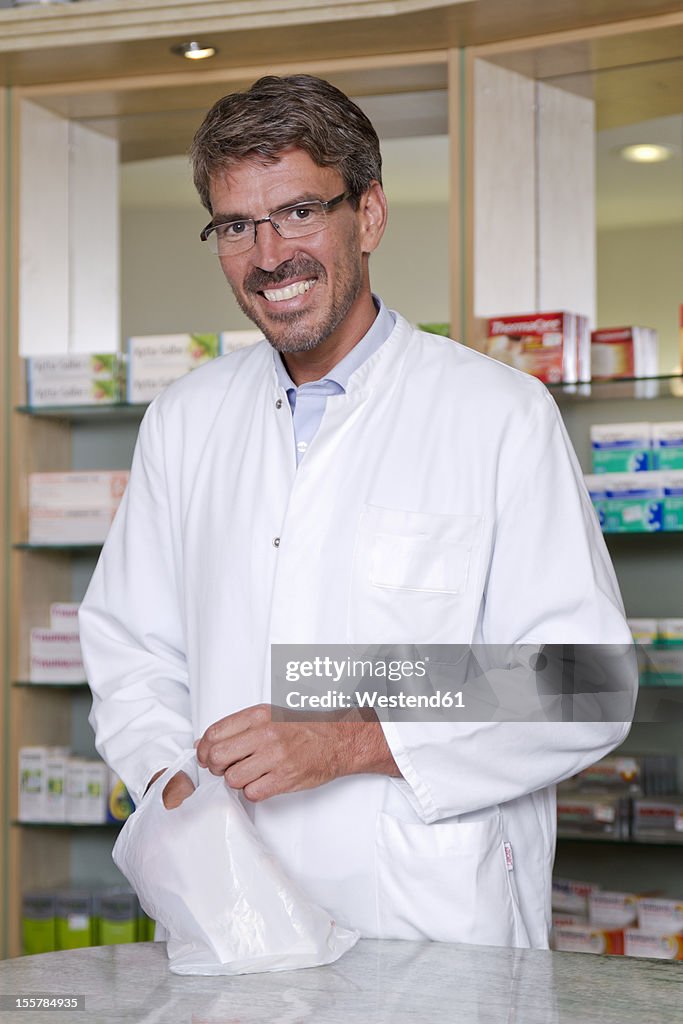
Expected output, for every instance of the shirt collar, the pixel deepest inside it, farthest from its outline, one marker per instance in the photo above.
(379, 331)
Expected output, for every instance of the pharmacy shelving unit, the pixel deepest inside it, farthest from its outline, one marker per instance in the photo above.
(520, 176)
(55, 714)
(648, 567)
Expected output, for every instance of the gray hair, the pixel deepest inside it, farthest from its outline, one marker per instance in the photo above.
(275, 114)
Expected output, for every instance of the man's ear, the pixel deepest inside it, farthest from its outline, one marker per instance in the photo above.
(372, 210)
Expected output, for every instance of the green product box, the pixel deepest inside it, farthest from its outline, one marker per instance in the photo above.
(38, 933)
(146, 926)
(117, 917)
(634, 502)
(74, 918)
(673, 500)
(443, 329)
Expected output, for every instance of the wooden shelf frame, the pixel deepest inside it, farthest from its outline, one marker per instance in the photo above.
(418, 63)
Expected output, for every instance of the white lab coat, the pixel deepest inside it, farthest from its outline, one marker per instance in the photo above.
(436, 456)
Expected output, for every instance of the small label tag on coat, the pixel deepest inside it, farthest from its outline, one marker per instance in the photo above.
(509, 864)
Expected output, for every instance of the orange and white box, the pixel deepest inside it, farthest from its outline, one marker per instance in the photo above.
(613, 909)
(575, 938)
(642, 942)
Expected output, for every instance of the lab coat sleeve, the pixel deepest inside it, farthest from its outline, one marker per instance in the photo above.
(548, 580)
(131, 629)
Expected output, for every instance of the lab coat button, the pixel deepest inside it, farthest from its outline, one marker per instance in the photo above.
(276, 542)
(278, 404)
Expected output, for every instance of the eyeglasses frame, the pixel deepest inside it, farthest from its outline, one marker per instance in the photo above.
(327, 205)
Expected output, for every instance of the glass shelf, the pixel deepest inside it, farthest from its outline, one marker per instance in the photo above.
(82, 548)
(615, 841)
(27, 684)
(644, 388)
(76, 413)
(103, 825)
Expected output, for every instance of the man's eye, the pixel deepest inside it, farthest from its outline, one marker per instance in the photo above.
(235, 229)
(297, 214)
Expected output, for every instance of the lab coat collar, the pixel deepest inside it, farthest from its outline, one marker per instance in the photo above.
(380, 330)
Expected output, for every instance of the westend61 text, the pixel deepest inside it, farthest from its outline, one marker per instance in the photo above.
(369, 699)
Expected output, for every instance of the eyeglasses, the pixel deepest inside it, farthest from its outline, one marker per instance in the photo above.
(235, 236)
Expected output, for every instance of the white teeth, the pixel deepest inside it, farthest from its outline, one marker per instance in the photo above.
(280, 294)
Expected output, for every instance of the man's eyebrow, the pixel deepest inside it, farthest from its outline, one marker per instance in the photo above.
(228, 218)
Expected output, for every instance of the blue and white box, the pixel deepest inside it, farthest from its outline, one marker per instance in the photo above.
(622, 447)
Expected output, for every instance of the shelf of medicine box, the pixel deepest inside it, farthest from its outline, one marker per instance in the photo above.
(570, 837)
(641, 388)
(100, 825)
(58, 685)
(79, 413)
(86, 548)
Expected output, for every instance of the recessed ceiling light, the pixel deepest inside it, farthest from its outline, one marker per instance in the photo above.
(194, 51)
(645, 153)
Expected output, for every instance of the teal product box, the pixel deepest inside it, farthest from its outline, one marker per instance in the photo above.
(117, 912)
(73, 918)
(38, 929)
(634, 502)
(667, 443)
(673, 499)
(597, 490)
(622, 447)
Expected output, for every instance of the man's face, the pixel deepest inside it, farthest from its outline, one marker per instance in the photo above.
(298, 291)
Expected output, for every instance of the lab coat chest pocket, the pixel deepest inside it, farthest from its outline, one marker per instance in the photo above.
(412, 577)
(447, 881)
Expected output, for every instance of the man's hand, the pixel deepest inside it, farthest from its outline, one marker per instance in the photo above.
(263, 757)
(176, 789)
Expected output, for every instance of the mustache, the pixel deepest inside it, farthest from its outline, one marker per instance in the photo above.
(300, 266)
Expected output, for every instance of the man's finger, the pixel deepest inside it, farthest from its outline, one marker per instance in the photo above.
(177, 789)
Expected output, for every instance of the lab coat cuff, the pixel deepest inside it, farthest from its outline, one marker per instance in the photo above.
(413, 788)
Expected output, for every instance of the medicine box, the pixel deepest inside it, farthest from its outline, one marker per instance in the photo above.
(651, 943)
(571, 897)
(78, 379)
(155, 361)
(672, 482)
(73, 918)
(64, 616)
(613, 909)
(55, 657)
(118, 915)
(119, 803)
(656, 914)
(634, 502)
(667, 442)
(621, 447)
(545, 345)
(54, 809)
(574, 938)
(38, 933)
(231, 341)
(658, 818)
(73, 507)
(32, 783)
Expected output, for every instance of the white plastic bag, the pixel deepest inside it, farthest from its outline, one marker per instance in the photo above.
(202, 872)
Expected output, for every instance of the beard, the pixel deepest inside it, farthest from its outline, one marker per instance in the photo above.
(298, 331)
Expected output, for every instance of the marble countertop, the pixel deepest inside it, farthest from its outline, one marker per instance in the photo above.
(374, 983)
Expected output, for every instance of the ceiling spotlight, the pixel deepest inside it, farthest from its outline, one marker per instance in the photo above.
(194, 51)
(646, 153)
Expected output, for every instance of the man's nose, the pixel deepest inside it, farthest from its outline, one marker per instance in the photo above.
(270, 248)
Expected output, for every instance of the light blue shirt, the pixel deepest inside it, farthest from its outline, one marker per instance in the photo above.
(308, 401)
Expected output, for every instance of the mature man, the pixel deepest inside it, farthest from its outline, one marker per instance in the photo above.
(348, 480)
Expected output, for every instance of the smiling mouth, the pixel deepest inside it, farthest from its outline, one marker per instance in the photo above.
(290, 291)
